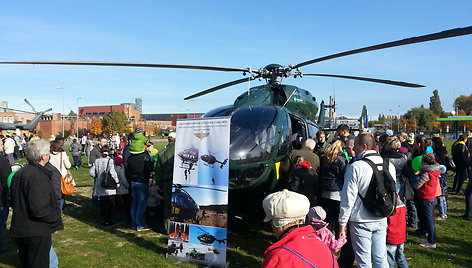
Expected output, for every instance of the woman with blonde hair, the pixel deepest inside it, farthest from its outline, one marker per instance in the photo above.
(390, 152)
(333, 166)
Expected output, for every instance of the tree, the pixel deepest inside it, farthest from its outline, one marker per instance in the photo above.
(115, 122)
(464, 103)
(423, 117)
(435, 103)
(96, 126)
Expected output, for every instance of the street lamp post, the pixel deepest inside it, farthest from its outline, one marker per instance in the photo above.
(77, 120)
(398, 122)
(62, 115)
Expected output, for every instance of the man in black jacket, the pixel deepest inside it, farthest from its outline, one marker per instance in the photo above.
(36, 212)
(460, 153)
(139, 171)
(5, 170)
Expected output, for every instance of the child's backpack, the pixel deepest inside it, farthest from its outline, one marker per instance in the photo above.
(380, 198)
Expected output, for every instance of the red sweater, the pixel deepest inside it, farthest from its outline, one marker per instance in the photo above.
(396, 229)
(304, 241)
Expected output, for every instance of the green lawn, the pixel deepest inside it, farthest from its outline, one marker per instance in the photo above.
(85, 243)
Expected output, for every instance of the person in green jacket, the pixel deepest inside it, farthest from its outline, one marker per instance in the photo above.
(164, 174)
(137, 141)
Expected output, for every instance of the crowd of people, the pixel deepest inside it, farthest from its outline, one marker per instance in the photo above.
(320, 211)
(326, 187)
(35, 191)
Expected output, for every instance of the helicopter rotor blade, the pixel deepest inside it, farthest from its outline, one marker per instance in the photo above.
(202, 229)
(382, 81)
(27, 102)
(424, 38)
(123, 64)
(232, 83)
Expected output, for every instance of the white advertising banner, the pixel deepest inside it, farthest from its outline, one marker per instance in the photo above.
(199, 207)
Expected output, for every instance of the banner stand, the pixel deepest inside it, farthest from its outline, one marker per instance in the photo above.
(199, 202)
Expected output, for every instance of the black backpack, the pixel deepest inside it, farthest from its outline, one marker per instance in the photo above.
(380, 198)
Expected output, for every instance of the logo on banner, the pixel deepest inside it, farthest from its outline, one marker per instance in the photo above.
(201, 135)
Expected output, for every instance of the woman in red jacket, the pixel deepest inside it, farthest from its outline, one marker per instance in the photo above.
(426, 188)
(297, 244)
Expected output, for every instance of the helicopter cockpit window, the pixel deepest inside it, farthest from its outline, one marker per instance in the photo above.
(299, 131)
(284, 130)
(312, 130)
(253, 134)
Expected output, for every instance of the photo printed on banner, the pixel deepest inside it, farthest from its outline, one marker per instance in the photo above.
(185, 163)
(200, 205)
(179, 231)
(208, 254)
(208, 236)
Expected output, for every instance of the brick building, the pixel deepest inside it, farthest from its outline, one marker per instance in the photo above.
(100, 111)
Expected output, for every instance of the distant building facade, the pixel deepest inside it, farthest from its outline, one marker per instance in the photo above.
(90, 112)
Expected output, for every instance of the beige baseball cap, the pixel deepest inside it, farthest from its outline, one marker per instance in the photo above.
(285, 207)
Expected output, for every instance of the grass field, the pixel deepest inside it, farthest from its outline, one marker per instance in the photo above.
(86, 243)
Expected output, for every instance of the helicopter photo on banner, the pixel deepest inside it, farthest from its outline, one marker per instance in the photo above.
(199, 204)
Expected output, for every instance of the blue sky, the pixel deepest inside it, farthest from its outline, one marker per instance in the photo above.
(231, 34)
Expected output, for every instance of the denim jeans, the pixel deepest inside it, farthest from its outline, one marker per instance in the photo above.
(412, 215)
(369, 243)
(140, 193)
(3, 223)
(468, 199)
(442, 205)
(395, 255)
(53, 260)
(426, 215)
(77, 160)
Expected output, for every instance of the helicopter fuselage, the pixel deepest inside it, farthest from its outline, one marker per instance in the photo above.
(265, 121)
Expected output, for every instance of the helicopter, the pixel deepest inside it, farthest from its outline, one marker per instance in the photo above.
(196, 255)
(30, 126)
(189, 158)
(173, 249)
(184, 207)
(208, 239)
(267, 119)
(210, 159)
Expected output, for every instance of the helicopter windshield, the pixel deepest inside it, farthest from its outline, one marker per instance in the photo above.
(253, 133)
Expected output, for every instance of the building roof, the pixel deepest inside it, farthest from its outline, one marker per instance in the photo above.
(455, 119)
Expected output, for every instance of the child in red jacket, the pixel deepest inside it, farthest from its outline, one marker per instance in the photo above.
(396, 236)
(426, 188)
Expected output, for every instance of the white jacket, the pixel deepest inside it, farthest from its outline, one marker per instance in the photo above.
(55, 160)
(356, 181)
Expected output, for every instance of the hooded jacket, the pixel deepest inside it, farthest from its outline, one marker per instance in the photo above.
(400, 163)
(427, 185)
(304, 241)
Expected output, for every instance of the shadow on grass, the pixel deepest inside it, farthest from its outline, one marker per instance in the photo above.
(450, 250)
(89, 215)
(247, 241)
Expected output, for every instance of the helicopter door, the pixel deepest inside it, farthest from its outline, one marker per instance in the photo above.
(299, 130)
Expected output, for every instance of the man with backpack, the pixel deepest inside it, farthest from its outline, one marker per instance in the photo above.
(367, 224)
